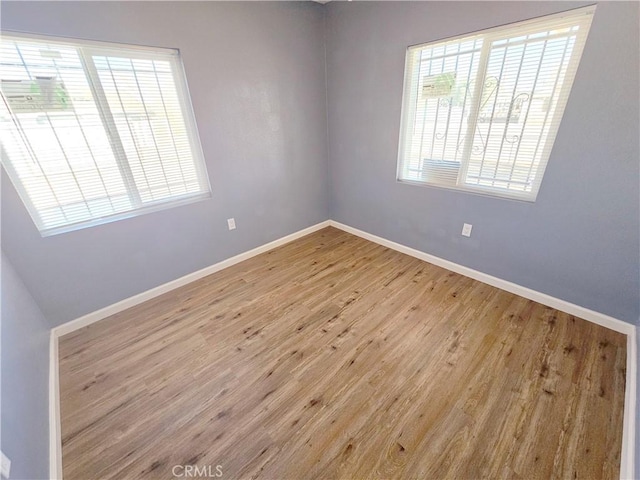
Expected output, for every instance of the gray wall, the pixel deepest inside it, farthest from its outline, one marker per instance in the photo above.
(579, 241)
(256, 74)
(25, 373)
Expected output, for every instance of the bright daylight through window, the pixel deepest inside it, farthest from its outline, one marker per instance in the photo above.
(480, 112)
(93, 132)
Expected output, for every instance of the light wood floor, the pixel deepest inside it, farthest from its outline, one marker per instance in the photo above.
(333, 357)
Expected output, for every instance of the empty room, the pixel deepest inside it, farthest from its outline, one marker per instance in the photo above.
(290, 240)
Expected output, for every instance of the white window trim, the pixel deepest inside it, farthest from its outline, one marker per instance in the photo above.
(524, 27)
(84, 47)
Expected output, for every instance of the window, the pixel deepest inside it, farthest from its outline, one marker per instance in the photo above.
(480, 112)
(93, 132)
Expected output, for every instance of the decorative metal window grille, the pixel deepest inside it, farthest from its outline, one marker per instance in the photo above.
(481, 112)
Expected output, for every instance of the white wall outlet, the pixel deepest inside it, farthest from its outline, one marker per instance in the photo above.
(5, 466)
(466, 229)
(231, 222)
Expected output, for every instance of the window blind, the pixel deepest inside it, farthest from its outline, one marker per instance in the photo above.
(92, 132)
(480, 112)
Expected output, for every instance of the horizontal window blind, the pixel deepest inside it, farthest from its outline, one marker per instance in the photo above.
(481, 112)
(92, 133)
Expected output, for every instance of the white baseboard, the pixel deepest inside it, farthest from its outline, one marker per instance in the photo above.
(627, 462)
(55, 439)
(628, 441)
(122, 305)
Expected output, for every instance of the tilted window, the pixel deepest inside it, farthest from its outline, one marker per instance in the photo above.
(481, 112)
(93, 132)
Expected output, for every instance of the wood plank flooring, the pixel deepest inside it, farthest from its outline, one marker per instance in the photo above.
(335, 358)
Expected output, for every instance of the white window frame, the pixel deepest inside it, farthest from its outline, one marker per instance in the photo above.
(85, 49)
(409, 102)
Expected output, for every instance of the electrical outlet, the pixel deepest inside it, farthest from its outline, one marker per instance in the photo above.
(5, 465)
(466, 229)
(231, 222)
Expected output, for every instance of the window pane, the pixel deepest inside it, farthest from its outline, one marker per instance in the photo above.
(53, 137)
(444, 82)
(522, 87)
(143, 100)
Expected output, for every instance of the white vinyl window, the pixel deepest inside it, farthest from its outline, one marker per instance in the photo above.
(481, 112)
(93, 132)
